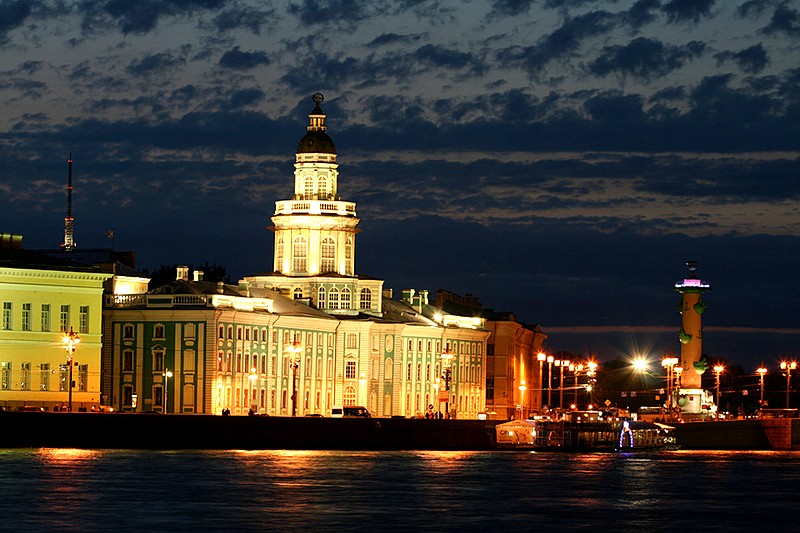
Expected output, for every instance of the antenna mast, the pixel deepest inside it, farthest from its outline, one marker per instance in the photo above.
(69, 223)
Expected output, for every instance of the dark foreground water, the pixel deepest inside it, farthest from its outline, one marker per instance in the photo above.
(90, 490)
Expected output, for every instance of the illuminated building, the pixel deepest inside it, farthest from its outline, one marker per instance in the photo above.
(312, 325)
(42, 297)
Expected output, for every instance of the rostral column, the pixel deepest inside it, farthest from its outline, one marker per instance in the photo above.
(692, 307)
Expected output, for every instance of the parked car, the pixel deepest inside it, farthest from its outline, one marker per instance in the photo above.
(31, 408)
(350, 411)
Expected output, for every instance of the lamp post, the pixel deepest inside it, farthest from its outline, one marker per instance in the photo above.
(550, 360)
(761, 371)
(590, 384)
(541, 358)
(718, 370)
(522, 389)
(577, 368)
(294, 350)
(447, 362)
(564, 364)
(788, 366)
(167, 374)
(71, 341)
(669, 364)
(253, 376)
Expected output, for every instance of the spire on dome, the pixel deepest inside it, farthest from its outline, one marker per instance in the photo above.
(316, 140)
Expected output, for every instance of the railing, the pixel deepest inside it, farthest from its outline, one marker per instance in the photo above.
(155, 300)
(315, 207)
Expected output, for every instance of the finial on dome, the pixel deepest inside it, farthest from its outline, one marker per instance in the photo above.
(317, 98)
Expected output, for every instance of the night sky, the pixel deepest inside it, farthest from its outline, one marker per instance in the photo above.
(560, 159)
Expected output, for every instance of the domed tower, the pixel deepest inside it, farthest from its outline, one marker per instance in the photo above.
(315, 232)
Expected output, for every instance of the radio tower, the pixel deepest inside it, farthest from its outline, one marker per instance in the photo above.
(69, 222)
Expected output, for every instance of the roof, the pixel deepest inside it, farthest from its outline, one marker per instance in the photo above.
(316, 142)
(30, 259)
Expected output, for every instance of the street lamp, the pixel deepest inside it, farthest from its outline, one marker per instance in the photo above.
(253, 376)
(167, 374)
(577, 368)
(550, 360)
(541, 358)
(788, 366)
(669, 364)
(447, 362)
(293, 350)
(71, 341)
(761, 371)
(718, 370)
(561, 364)
(589, 387)
(522, 389)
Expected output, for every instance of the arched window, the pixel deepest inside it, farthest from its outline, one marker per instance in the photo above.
(308, 192)
(279, 254)
(298, 293)
(349, 395)
(328, 260)
(348, 256)
(323, 188)
(333, 299)
(366, 299)
(300, 254)
(345, 298)
(321, 298)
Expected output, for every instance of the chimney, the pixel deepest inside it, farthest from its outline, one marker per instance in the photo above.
(182, 273)
(407, 295)
(198, 275)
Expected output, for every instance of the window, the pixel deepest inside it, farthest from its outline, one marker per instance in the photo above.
(83, 319)
(323, 188)
(5, 375)
(345, 298)
(238, 333)
(45, 317)
(63, 376)
(300, 255)
(83, 378)
(127, 396)
(158, 361)
(127, 361)
(349, 395)
(127, 331)
(352, 340)
(333, 299)
(408, 372)
(221, 332)
(308, 192)
(26, 318)
(64, 318)
(158, 396)
(25, 376)
(247, 334)
(158, 331)
(419, 371)
(298, 293)
(348, 256)
(350, 370)
(328, 262)
(366, 299)
(230, 332)
(321, 298)
(7, 315)
(279, 254)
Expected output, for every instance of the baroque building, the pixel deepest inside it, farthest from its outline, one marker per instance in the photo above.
(298, 340)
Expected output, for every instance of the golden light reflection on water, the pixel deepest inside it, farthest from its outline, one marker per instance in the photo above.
(66, 455)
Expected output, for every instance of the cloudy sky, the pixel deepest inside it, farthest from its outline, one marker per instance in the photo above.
(560, 159)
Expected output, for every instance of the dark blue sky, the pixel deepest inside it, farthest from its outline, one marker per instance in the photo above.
(558, 159)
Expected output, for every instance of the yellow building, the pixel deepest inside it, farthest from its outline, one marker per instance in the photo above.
(42, 298)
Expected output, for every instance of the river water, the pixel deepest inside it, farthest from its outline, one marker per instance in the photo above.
(131, 490)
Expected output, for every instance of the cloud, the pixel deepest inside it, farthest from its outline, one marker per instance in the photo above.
(679, 11)
(563, 41)
(246, 17)
(12, 16)
(784, 20)
(237, 60)
(139, 17)
(751, 60)
(644, 58)
(155, 64)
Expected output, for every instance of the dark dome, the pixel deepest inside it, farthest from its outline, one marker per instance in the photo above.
(316, 141)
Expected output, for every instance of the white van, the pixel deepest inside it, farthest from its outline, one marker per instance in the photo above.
(337, 411)
(350, 411)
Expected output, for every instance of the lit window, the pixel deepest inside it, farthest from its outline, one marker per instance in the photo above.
(323, 188)
(321, 298)
(328, 258)
(349, 395)
(26, 318)
(345, 298)
(309, 188)
(333, 299)
(64, 318)
(300, 255)
(366, 299)
(83, 319)
(350, 370)
(45, 317)
(7, 315)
